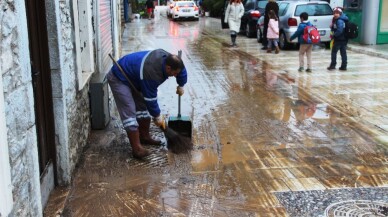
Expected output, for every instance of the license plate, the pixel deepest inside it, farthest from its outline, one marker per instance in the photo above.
(186, 10)
(322, 32)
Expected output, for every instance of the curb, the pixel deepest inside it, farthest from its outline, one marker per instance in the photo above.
(367, 51)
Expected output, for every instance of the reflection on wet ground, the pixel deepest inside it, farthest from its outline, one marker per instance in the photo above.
(269, 141)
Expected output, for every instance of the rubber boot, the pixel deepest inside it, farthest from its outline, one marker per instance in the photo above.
(137, 149)
(233, 40)
(144, 131)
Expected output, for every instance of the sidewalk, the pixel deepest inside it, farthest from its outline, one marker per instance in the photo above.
(372, 50)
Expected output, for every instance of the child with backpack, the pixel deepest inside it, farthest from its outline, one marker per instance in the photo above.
(340, 39)
(304, 47)
(273, 32)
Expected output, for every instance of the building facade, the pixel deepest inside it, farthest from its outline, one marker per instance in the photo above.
(49, 52)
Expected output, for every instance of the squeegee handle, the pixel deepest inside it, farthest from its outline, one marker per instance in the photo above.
(179, 96)
(179, 106)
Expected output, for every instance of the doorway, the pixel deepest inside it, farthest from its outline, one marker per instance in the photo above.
(41, 80)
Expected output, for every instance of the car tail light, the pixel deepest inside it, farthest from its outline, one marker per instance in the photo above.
(171, 6)
(195, 8)
(176, 8)
(255, 14)
(292, 22)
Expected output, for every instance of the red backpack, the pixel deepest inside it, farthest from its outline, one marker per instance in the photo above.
(311, 35)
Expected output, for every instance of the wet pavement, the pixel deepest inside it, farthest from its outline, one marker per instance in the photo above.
(268, 140)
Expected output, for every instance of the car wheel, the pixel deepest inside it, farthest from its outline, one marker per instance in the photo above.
(249, 31)
(259, 36)
(283, 44)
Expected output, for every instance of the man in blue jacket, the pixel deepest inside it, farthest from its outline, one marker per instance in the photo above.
(146, 70)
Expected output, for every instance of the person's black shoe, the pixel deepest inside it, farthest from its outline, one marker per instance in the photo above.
(342, 68)
(264, 48)
(330, 68)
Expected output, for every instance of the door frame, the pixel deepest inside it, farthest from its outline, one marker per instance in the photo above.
(382, 37)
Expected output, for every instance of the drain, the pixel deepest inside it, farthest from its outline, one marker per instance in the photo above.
(354, 208)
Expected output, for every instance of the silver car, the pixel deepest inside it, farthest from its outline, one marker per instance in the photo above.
(320, 15)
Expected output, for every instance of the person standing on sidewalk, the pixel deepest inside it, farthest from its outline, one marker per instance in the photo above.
(233, 14)
(273, 32)
(150, 8)
(271, 5)
(146, 70)
(304, 48)
(340, 41)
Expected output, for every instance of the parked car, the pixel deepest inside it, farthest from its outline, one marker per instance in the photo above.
(253, 9)
(320, 15)
(184, 10)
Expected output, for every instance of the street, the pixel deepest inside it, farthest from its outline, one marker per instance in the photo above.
(268, 140)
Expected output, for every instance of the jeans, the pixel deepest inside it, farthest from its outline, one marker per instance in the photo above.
(341, 46)
(271, 41)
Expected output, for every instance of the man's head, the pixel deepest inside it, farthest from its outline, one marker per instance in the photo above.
(174, 65)
(304, 16)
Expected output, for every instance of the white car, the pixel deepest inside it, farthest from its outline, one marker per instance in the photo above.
(184, 10)
(320, 15)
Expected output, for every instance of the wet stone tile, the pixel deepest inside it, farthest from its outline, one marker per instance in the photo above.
(314, 203)
(380, 180)
(336, 182)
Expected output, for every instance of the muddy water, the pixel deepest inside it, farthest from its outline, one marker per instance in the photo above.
(259, 129)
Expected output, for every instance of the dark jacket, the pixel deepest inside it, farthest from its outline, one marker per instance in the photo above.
(300, 32)
(338, 28)
(146, 70)
(149, 4)
(270, 6)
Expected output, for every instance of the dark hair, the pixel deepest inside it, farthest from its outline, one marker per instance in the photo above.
(272, 15)
(174, 62)
(304, 16)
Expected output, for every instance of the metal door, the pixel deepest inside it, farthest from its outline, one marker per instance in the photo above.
(105, 35)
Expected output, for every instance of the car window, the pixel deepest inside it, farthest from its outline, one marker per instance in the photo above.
(249, 5)
(187, 4)
(283, 8)
(314, 9)
(261, 4)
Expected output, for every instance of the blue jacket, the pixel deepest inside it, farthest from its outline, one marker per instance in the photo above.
(338, 28)
(300, 31)
(146, 70)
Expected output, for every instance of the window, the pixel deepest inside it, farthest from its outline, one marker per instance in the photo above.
(283, 8)
(314, 9)
(353, 4)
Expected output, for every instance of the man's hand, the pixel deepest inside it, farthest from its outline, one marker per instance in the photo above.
(180, 91)
(160, 122)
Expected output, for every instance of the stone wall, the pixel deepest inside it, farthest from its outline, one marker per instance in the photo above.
(19, 109)
(71, 106)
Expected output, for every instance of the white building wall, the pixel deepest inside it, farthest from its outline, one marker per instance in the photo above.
(71, 105)
(19, 109)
